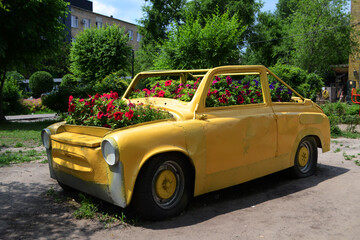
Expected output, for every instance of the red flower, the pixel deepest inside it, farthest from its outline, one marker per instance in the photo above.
(97, 96)
(70, 99)
(248, 92)
(118, 116)
(223, 99)
(258, 93)
(71, 108)
(161, 93)
(240, 99)
(246, 86)
(110, 107)
(147, 92)
(228, 93)
(252, 100)
(81, 100)
(114, 95)
(100, 115)
(129, 114)
(228, 80)
(106, 125)
(168, 83)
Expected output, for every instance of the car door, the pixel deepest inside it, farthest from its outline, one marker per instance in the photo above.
(241, 136)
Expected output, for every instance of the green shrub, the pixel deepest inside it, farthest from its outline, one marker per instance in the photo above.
(307, 84)
(11, 96)
(68, 80)
(113, 82)
(41, 82)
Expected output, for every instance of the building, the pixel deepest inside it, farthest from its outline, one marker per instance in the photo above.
(82, 16)
(354, 60)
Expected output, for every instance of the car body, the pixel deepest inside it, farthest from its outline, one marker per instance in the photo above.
(160, 165)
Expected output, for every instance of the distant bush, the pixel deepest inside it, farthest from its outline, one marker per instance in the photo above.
(69, 80)
(41, 82)
(11, 95)
(307, 84)
(58, 99)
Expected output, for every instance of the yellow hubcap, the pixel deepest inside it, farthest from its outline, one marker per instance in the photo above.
(303, 156)
(165, 184)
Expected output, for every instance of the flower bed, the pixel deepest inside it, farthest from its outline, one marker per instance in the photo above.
(108, 110)
(224, 91)
(33, 105)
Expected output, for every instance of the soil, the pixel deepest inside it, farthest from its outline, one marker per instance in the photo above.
(323, 206)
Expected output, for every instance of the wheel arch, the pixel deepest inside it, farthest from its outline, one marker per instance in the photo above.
(175, 151)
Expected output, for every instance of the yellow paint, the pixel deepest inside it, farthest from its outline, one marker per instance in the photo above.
(225, 145)
(303, 156)
(165, 184)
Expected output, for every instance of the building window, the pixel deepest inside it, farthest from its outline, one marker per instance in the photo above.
(74, 21)
(86, 23)
(138, 38)
(131, 34)
(98, 22)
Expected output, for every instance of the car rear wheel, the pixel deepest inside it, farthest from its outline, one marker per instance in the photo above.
(305, 162)
(163, 187)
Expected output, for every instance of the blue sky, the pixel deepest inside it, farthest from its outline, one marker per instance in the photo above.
(130, 10)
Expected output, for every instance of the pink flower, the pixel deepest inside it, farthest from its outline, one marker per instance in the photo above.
(71, 108)
(161, 93)
(114, 95)
(147, 92)
(228, 80)
(100, 115)
(129, 114)
(118, 116)
(81, 100)
(168, 83)
(240, 99)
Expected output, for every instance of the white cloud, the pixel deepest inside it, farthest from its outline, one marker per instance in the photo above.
(104, 9)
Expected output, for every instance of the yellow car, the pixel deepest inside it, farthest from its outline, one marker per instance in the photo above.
(228, 125)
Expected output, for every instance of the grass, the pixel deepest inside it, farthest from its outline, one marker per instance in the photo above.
(337, 150)
(8, 157)
(22, 134)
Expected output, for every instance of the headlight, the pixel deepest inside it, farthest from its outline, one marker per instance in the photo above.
(45, 137)
(110, 151)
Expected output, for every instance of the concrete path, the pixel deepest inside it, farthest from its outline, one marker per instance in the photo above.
(31, 117)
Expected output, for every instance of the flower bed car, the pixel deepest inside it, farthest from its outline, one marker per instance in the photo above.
(207, 129)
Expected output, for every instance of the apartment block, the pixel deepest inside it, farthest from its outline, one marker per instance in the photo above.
(82, 16)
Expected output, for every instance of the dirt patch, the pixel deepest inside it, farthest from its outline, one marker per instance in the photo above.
(324, 206)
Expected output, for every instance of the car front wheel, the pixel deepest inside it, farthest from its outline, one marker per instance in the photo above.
(163, 187)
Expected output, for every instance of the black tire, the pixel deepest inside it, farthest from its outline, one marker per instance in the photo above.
(156, 196)
(305, 161)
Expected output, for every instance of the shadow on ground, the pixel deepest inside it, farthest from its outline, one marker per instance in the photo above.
(246, 195)
(26, 213)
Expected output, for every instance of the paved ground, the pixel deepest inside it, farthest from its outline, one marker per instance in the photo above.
(31, 117)
(325, 206)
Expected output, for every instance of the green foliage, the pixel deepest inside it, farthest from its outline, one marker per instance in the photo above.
(158, 15)
(41, 82)
(8, 157)
(113, 82)
(307, 84)
(87, 209)
(29, 30)
(98, 52)
(11, 95)
(69, 80)
(308, 34)
(191, 46)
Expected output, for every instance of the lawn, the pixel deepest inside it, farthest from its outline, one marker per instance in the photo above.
(19, 140)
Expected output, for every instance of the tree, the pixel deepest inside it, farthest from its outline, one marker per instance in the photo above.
(29, 30)
(320, 33)
(98, 52)
(192, 46)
